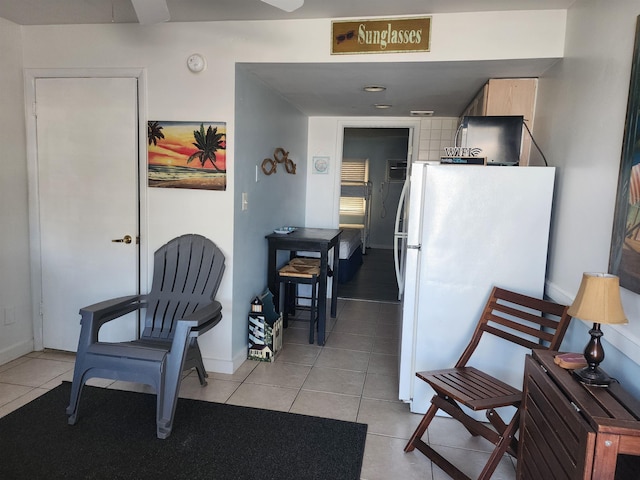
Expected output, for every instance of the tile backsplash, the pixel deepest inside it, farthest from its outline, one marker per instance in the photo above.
(436, 133)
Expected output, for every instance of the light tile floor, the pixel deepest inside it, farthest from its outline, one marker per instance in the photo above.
(353, 377)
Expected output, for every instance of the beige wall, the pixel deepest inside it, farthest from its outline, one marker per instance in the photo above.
(264, 122)
(16, 334)
(173, 93)
(580, 121)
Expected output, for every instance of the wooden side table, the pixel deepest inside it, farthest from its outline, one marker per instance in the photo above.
(573, 431)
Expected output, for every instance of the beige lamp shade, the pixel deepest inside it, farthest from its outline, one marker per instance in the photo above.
(598, 300)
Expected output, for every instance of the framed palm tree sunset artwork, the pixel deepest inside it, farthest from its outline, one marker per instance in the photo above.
(187, 155)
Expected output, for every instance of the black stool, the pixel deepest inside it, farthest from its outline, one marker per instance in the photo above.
(298, 271)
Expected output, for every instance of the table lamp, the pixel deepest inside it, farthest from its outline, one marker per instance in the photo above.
(597, 301)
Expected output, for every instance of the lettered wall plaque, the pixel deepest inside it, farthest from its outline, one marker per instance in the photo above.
(381, 36)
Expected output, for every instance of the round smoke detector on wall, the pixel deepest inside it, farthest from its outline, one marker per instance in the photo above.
(196, 63)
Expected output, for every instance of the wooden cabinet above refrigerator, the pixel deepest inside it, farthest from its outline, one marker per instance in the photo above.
(508, 96)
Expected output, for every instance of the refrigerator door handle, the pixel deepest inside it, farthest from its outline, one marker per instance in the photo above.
(399, 235)
(415, 247)
(396, 261)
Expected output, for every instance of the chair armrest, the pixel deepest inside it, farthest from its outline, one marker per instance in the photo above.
(103, 312)
(113, 304)
(194, 325)
(204, 318)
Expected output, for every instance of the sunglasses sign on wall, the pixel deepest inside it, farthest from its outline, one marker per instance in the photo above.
(381, 36)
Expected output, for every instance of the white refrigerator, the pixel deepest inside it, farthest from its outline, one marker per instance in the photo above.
(468, 228)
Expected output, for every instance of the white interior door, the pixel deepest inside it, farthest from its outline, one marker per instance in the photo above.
(87, 164)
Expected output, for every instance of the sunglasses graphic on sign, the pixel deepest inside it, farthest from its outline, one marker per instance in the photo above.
(345, 36)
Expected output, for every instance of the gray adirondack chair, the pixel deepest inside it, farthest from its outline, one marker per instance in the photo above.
(179, 308)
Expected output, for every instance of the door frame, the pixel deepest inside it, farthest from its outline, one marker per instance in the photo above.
(412, 124)
(35, 248)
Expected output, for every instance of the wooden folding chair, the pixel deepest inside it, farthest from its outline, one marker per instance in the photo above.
(517, 318)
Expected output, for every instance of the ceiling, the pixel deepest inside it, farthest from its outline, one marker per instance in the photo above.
(336, 89)
(48, 12)
(333, 89)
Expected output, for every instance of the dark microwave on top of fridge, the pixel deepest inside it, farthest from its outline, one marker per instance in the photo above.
(499, 137)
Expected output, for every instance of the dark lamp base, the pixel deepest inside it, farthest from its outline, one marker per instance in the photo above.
(594, 378)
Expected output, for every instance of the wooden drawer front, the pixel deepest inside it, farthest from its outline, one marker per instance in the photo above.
(555, 441)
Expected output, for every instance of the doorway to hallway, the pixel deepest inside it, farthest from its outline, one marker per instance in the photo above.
(386, 150)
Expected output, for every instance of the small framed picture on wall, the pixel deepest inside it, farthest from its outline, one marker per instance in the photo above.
(320, 165)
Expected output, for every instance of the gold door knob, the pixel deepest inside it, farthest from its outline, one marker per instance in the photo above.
(126, 239)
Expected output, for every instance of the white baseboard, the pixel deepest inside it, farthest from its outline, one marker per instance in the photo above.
(15, 351)
(381, 247)
(219, 365)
